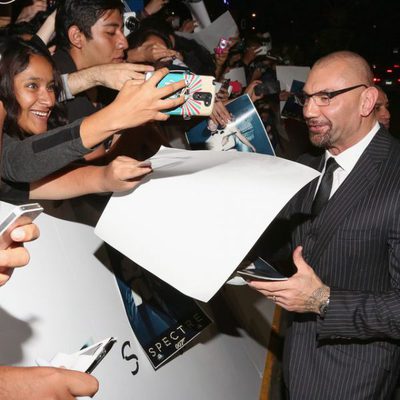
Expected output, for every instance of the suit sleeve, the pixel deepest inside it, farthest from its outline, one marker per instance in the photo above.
(367, 315)
(361, 315)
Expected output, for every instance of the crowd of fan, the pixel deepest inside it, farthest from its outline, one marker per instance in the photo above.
(79, 118)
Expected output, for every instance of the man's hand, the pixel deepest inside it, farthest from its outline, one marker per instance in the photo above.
(38, 383)
(250, 90)
(28, 12)
(16, 255)
(112, 76)
(302, 293)
(155, 6)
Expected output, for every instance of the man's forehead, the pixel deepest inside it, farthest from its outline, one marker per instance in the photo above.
(328, 76)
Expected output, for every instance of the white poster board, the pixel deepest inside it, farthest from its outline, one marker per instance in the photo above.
(202, 211)
(237, 74)
(287, 74)
(223, 27)
(67, 296)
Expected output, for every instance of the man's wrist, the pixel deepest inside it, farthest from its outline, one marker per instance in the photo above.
(319, 300)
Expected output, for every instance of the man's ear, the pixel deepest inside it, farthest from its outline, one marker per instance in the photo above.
(368, 100)
(75, 36)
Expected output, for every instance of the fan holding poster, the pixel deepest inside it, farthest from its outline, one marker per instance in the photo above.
(245, 132)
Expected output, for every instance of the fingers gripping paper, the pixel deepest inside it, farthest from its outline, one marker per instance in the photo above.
(199, 213)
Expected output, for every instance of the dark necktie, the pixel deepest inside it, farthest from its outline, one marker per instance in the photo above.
(325, 187)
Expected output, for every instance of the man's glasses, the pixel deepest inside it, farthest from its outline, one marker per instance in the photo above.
(322, 98)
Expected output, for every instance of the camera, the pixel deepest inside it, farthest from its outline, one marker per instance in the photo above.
(131, 23)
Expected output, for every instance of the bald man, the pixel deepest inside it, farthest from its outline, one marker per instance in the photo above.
(382, 112)
(344, 298)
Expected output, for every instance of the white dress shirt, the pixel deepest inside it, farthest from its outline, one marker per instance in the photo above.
(348, 159)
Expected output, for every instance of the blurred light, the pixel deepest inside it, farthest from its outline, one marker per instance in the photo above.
(254, 15)
(253, 28)
(396, 66)
(377, 79)
(389, 70)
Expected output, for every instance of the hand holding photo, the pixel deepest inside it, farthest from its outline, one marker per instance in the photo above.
(261, 270)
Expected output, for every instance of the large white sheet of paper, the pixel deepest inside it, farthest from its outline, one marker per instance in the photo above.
(199, 214)
(287, 74)
(223, 27)
(237, 74)
(67, 297)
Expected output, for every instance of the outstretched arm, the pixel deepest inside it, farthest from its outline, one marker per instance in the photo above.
(122, 174)
(112, 76)
(28, 160)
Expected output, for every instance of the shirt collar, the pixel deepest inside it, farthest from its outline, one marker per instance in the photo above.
(348, 158)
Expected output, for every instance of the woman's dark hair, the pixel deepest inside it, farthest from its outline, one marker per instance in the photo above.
(137, 38)
(15, 55)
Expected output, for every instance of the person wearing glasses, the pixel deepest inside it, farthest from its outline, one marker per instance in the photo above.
(344, 296)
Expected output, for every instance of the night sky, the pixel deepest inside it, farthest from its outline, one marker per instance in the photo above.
(317, 27)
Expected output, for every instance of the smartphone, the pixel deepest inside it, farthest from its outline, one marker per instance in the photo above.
(199, 93)
(131, 22)
(261, 270)
(84, 360)
(20, 215)
(222, 45)
(99, 351)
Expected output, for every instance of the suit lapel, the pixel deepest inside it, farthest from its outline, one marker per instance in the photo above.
(356, 185)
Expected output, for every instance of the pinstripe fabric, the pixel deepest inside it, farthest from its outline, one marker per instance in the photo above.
(354, 247)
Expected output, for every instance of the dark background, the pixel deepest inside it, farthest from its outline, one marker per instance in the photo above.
(318, 27)
(309, 29)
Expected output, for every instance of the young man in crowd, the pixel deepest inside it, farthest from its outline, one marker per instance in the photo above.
(88, 33)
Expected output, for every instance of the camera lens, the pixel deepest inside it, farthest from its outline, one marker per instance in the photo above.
(132, 24)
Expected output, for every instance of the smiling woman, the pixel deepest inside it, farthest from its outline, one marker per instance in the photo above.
(29, 88)
(34, 90)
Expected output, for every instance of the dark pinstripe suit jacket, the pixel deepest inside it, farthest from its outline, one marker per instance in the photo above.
(354, 247)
